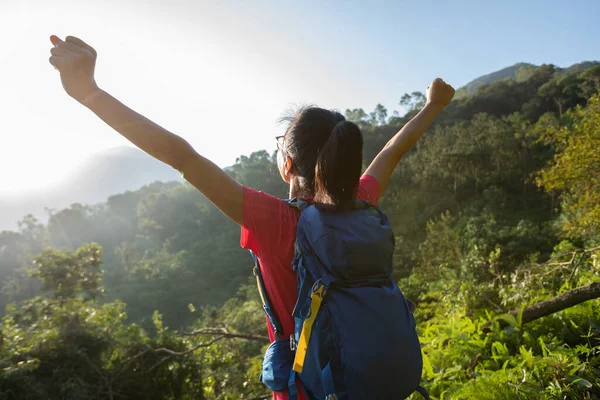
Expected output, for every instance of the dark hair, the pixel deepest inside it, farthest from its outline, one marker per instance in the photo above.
(326, 152)
(338, 167)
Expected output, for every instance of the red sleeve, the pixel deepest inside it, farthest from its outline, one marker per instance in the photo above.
(368, 189)
(267, 222)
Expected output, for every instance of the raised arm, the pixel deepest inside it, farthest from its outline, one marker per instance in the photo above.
(76, 60)
(439, 95)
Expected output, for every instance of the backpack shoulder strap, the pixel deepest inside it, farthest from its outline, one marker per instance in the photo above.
(277, 327)
(365, 205)
(298, 203)
(421, 390)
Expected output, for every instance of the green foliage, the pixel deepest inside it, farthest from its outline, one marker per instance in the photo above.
(478, 234)
(379, 115)
(74, 349)
(413, 101)
(235, 374)
(564, 91)
(575, 170)
(357, 115)
(520, 72)
(69, 273)
(555, 357)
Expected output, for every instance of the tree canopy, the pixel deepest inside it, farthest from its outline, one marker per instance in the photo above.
(496, 213)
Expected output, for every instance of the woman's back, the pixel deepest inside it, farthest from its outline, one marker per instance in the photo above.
(269, 230)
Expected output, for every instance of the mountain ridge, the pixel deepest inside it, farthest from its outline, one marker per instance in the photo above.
(519, 71)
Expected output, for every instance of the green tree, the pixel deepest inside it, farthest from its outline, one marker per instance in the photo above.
(379, 115)
(524, 73)
(592, 74)
(70, 273)
(357, 115)
(33, 232)
(68, 347)
(472, 231)
(575, 171)
(563, 91)
(591, 81)
(413, 101)
(71, 227)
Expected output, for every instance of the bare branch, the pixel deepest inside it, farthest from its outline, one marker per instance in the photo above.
(553, 305)
(572, 253)
(182, 353)
(225, 334)
(219, 333)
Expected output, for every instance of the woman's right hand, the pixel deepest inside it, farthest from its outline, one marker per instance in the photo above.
(440, 93)
(76, 61)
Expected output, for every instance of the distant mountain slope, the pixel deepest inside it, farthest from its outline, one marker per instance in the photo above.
(114, 171)
(579, 67)
(103, 174)
(520, 71)
(508, 72)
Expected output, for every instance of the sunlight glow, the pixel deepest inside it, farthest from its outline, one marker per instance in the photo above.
(221, 73)
(190, 86)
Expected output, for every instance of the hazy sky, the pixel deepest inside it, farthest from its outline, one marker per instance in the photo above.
(220, 73)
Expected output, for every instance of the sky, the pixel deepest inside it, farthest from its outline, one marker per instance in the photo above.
(220, 73)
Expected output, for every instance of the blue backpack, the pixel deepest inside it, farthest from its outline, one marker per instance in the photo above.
(354, 334)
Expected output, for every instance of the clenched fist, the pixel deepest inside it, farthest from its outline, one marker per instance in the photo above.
(440, 93)
(76, 61)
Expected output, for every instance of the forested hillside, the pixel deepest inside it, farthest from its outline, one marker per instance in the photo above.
(495, 211)
(97, 177)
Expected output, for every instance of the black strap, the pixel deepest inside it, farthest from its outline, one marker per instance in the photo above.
(265, 298)
(423, 392)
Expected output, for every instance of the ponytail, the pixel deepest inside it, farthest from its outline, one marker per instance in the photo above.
(338, 168)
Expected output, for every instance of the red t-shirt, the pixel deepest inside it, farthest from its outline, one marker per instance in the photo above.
(269, 230)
